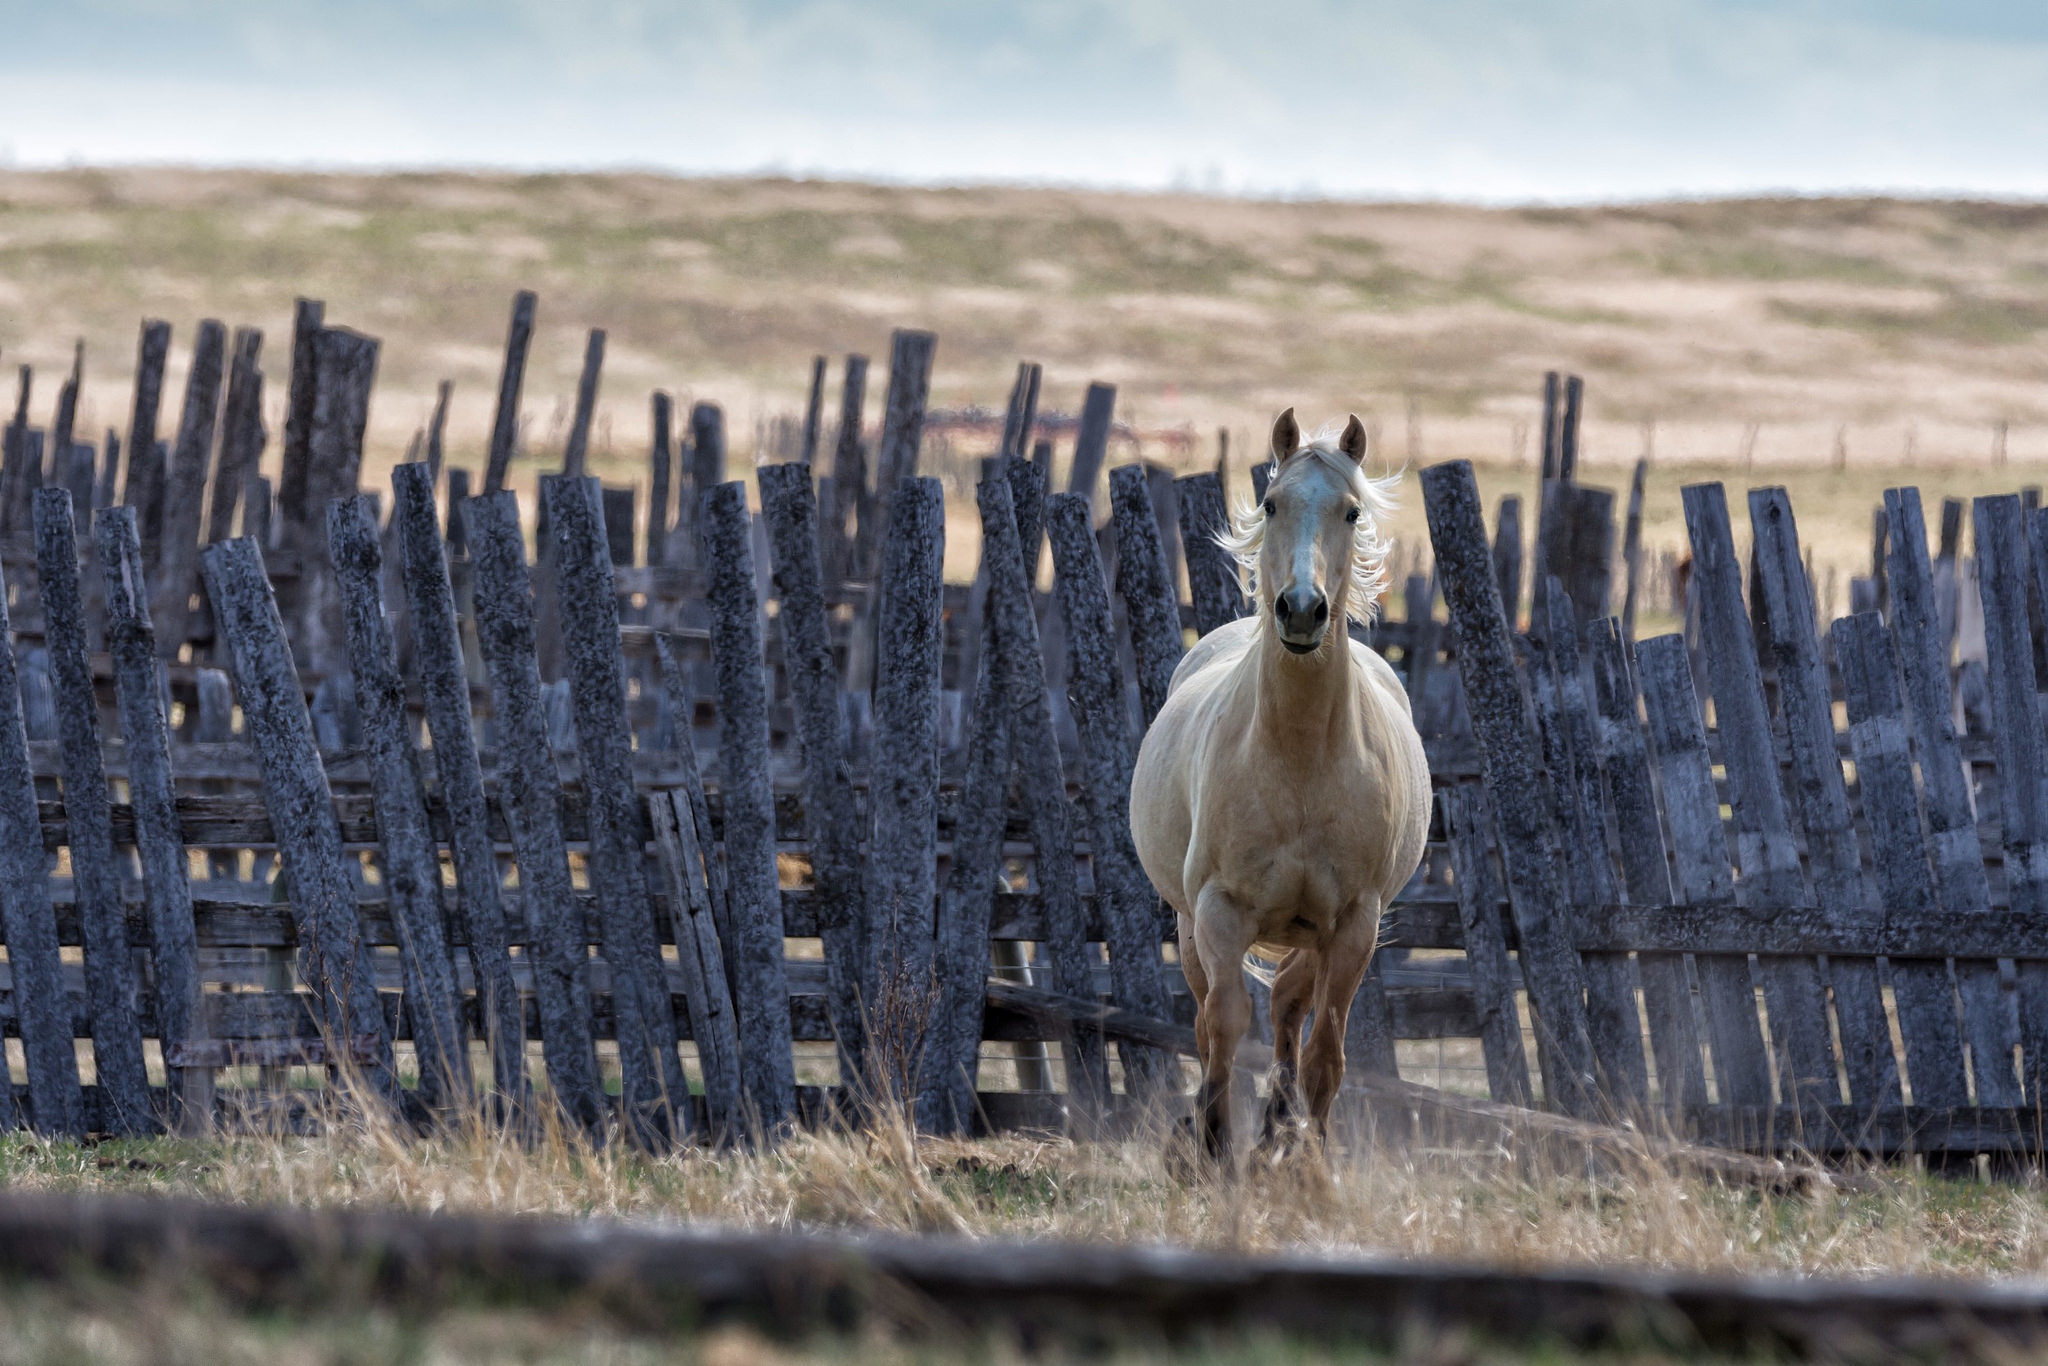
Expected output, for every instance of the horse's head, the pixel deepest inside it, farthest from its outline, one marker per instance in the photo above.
(1313, 545)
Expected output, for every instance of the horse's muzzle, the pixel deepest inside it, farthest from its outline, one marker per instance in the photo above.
(1302, 613)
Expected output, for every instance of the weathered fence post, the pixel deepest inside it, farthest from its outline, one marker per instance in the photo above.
(1834, 860)
(307, 318)
(102, 919)
(1042, 780)
(159, 839)
(1958, 854)
(345, 363)
(241, 436)
(660, 460)
(1884, 770)
(761, 991)
(505, 425)
(1470, 828)
(790, 505)
(1699, 848)
(904, 790)
(1091, 440)
(531, 794)
(1213, 579)
(653, 1090)
(152, 349)
(1129, 907)
(295, 792)
(578, 443)
(2002, 582)
(910, 380)
(1506, 733)
(437, 647)
(411, 864)
(191, 456)
(852, 501)
(1151, 602)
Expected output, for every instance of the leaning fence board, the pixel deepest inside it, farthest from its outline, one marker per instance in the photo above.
(1834, 860)
(586, 403)
(910, 378)
(299, 802)
(1144, 581)
(1493, 984)
(109, 969)
(152, 349)
(505, 424)
(159, 845)
(410, 862)
(438, 658)
(1884, 772)
(903, 800)
(1958, 857)
(700, 961)
(652, 1086)
(1646, 876)
(760, 991)
(1500, 719)
(1101, 712)
(1764, 847)
(660, 460)
(2002, 582)
(307, 316)
(185, 491)
(791, 509)
(1040, 779)
(1213, 580)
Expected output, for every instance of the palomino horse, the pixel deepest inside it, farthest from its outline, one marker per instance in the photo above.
(1281, 797)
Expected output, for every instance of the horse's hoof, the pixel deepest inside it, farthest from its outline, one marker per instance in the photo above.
(1184, 1157)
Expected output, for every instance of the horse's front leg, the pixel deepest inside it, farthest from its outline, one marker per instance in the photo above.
(1341, 970)
(1224, 930)
(1293, 987)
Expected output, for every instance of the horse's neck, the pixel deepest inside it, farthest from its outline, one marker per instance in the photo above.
(1303, 700)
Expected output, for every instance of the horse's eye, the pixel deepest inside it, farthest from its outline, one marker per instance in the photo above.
(1270, 510)
(1352, 515)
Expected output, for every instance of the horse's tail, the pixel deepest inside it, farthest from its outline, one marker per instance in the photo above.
(1263, 962)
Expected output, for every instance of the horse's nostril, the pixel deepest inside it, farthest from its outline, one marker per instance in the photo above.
(1322, 611)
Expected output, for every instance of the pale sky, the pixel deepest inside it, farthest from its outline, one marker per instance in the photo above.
(1488, 100)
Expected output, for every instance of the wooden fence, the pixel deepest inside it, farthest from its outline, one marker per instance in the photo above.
(382, 791)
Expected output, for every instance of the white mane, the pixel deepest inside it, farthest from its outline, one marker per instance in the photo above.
(1369, 550)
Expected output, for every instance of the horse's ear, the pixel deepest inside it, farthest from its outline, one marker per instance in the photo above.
(1286, 436)
(1352, 443)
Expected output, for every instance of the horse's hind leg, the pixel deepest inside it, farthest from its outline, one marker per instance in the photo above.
(1293, 986)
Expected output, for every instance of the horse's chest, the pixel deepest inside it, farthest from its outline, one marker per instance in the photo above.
(1303, 849)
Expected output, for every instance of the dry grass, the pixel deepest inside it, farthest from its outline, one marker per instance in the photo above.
(1470, 1206)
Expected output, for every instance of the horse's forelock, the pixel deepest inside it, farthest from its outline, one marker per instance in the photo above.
(1377, 500)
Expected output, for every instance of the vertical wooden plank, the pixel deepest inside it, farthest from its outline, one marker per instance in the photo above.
(1213, 579)
(1470, 828)
(2002, 579)
(903, 840)
(241, 436)
(574, 451)
(1041, 780)
(410, 861)
(660, 460)
(1764, 846)
(191, 456)
(1632, 547)
(962, 943)
(1151, 603)
(56, 1104)
(701, 962)
(1834, 860)
(1957, 854)
(345, 364)
(1568, 429)
(652, 1087)
(256, 511)
(1646, 876)
(1507, 556)
(789, 503)
(1571, 772)
(103, 494)
(851, 508)
(159, 838)
(505, 424)
(152, 349)
(307, 318)
(1700, 860)
(1550, 404)
(910, 377)
(444, 682)
(1133, 917)
(618, 523)
(437, 428)
(814, 411)
(1091, 440)
(103, 924)
(707, 452)
(557, 938)
(1884, 772)
(295, 793)
(1506, 733)
(761, 990)
(675, 687)
(458, 512)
